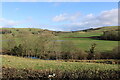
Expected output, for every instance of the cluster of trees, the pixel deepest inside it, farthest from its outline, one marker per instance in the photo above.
(46, 46)
(110, 35)
(48, 50)
(43, 46)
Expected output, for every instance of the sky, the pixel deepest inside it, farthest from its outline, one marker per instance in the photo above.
(59, 16)
(60, 0)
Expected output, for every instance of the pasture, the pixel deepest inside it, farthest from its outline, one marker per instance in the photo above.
(82, 43)
(28, 63)
(24, 67)
(85, 43)
(59, 53)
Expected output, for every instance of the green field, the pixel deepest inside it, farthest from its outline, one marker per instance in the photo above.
(43, 40)
(83, 43)
(27, 63)
(26, 68)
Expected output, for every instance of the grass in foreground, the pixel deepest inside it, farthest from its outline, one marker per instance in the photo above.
(36, 64)
(19, 68)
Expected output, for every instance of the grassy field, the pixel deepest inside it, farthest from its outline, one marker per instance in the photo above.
(83, 43)
(18, 67)
(21, 63)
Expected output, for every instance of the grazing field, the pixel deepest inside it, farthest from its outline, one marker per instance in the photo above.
(58, 67)
(62, 53)
(63, 40)
(83, 43)
(19, 62)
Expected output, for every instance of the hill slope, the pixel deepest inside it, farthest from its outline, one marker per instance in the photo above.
(83, 43)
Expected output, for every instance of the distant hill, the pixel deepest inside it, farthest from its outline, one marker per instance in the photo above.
(83, 40)
(108, 28)
(34, 30)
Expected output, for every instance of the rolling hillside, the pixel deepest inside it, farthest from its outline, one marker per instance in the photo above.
(83, 43)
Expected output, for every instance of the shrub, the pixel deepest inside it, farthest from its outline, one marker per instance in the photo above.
(17, 50)
(110, 35)
(91, 53)
(17, 29)
(116, 52)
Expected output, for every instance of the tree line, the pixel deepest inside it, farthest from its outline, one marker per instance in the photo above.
(110, 35)
(46, 46)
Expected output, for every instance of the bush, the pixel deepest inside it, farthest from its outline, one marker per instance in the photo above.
(17, 29)
(91, 52)
(17, 50)
(116, 52)
(110, 35)
(70, 51)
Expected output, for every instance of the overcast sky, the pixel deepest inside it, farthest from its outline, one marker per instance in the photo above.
(59, 16)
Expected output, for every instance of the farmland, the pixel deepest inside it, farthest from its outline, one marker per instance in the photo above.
(47, 44)
(83, 43)
(59, 67)
(73, 55)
